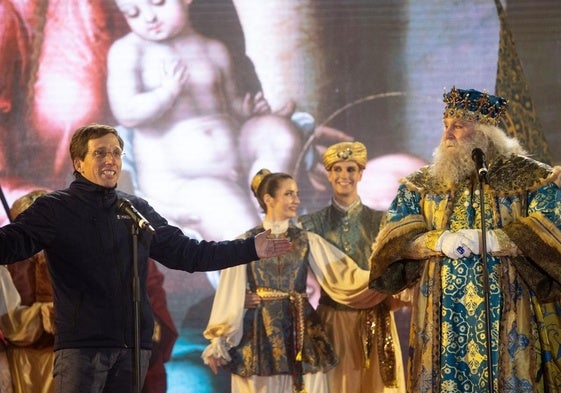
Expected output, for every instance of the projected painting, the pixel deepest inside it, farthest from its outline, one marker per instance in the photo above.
(249, 84)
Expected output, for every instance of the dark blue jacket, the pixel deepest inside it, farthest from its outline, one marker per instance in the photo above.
(89, 252)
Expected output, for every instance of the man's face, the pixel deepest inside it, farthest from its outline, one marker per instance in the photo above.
(453, 156)
(102, 163)
(456, 132)
(344, 177)
(155, 20)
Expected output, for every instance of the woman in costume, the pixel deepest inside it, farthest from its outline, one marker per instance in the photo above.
(279, 346)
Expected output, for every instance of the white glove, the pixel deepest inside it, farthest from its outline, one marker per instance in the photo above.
(492, 241)
(454, 245)
(471, 239)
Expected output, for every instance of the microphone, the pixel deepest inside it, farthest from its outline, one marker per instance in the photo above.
(125, 206)
(478, 157)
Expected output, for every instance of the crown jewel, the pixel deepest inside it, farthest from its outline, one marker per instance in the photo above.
(474, 105)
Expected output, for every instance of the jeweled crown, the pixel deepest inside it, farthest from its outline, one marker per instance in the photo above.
(475, 106)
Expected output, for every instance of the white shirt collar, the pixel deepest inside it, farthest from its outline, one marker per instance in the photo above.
(345, 208)
(276, 227)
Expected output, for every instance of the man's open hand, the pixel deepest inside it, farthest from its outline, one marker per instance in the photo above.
(267, 247)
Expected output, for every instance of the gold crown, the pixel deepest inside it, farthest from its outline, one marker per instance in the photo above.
(475, 106)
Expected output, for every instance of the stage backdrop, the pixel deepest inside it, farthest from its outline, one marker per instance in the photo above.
(370, 70)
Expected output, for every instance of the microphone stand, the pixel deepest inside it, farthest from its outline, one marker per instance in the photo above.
(486, 289)
(5, 204)
(135, 287)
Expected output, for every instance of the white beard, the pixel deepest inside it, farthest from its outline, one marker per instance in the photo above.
(453, 163)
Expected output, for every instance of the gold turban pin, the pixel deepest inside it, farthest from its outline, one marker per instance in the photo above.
(345, 151)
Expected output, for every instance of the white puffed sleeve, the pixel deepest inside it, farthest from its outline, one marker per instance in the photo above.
(224, 329)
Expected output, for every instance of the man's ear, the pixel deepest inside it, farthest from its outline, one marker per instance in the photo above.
(77, 165)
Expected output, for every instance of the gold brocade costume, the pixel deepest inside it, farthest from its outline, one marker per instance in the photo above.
(281, 346)
(368, 337)
(30, 328)
(447, 338)
(283, 335)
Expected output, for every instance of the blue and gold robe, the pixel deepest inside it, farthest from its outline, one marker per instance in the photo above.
(448, 340)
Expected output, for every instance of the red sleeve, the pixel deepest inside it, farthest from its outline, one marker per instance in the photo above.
(157, 295)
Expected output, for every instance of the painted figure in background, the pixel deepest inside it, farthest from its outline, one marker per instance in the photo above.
(432, 242)
(279, 344)
(192, 129)
(366, 341)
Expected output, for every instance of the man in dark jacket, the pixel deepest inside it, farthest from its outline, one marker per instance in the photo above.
(89, 247)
